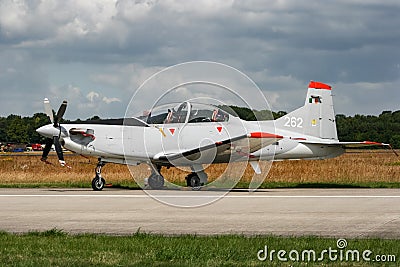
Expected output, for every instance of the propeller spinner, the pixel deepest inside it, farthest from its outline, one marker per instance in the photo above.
(54, 131)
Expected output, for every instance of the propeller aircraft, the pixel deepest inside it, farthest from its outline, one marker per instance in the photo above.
(196, 134)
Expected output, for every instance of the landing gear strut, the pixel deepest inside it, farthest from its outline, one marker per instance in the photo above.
(98, 181)
(156, 180)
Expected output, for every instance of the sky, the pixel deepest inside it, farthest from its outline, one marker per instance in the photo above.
(96, 54)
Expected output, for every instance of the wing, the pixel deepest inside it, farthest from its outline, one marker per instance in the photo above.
(238, 147)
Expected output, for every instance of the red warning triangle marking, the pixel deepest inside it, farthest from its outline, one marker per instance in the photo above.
(172, 130)
(219, 128)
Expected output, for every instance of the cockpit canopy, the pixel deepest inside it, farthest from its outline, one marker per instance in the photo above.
(185, 112)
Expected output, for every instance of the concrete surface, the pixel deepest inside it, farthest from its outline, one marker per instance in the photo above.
(290, 212)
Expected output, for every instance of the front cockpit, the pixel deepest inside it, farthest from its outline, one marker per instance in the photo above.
(185, 112)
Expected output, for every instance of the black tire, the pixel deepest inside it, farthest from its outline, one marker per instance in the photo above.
(189, 179)
(194, 181)
(156, 181)
(98, 185)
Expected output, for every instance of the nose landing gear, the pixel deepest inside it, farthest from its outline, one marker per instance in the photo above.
(98, 181)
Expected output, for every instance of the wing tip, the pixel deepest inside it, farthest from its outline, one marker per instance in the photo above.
(264, 135)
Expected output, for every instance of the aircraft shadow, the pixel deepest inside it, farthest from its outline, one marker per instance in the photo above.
(297, 186)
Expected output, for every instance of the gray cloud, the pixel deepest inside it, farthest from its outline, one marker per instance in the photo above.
(111, 47)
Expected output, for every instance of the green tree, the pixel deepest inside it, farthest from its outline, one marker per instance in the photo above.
(3, 125)
(16, 130)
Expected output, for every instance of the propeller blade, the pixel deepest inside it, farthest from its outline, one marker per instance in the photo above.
(46, 150)
(60, 154)
(60, 113)
(48, 110)
(394, 151)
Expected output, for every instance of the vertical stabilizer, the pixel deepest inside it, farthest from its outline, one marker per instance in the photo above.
(316, 117)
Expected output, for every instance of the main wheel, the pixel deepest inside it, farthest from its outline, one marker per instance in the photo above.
(156, 181)
(193, 180)
(188, 179)
(98, 185)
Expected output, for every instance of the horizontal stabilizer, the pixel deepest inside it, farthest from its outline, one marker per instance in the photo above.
(361, 144)
(345, 144)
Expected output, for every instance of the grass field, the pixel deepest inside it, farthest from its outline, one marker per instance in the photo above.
(375, 168)
(55, 248)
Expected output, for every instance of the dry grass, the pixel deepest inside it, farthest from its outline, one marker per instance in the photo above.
(354, 167)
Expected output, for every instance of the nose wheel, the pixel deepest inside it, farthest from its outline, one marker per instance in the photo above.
(98, 181)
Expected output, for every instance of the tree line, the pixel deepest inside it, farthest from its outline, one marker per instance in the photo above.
(382, 128)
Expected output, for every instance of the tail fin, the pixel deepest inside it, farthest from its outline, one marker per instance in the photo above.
(316, 117)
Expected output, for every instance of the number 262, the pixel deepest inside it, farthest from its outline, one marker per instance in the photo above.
(294, 122)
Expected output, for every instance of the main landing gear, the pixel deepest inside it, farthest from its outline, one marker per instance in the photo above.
(98, 181)
(193, 180)
(156, 180)
(196, 178)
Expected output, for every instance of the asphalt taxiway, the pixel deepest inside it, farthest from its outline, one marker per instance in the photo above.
(289, 212)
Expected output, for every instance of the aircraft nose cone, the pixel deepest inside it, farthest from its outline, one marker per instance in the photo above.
(47, 131)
